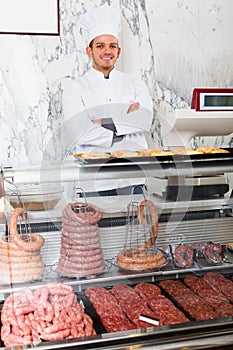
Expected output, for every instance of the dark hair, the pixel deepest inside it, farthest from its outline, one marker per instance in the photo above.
(91, 44)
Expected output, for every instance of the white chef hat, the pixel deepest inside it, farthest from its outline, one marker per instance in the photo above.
(101, 20)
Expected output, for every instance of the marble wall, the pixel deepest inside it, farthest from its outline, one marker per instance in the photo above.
(173, 45)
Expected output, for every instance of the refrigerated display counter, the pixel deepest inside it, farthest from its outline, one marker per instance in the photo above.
(182, 222)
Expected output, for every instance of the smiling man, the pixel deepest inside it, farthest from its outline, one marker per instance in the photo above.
(106, 109)
(104, 51)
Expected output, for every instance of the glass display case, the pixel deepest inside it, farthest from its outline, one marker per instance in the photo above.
(186, 299)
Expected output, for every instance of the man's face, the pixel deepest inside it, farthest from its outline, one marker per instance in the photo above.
(104, 52)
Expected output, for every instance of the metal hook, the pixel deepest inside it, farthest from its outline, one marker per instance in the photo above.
(78, 191)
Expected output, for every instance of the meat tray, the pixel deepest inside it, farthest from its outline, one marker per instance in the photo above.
(89, 309)
(200, 302)
(169, 332)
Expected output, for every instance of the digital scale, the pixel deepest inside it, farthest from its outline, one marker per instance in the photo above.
(212, 99)
(211, 114)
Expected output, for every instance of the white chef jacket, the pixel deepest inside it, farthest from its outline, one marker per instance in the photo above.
(92, 96)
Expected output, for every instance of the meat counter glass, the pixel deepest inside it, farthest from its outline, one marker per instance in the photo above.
(179, 291)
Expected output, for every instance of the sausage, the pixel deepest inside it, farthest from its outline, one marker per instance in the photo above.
(82, 259)
(20, 274)
(183, 256)
(59, 288)
(212, 252)
(41, 295)
(88, 323)
(10, 248)
(56, 336)
(23, 259)
(81, 253)
(37, 240)
(130, 255)
(80, 250)
(74, 226)
(56, 327)
(18, 254)
(91, 216)
(7, 243)
(154, 221)
(33, 323)
(17, 266)
(90, 241)
(79, 246)
(14, 340)
(139, 258)
(50, 313)
(140, 263)
(9, 278)
(79, 266)
(70, 271)
(80, 235)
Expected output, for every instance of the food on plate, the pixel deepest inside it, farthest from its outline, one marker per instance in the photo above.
(80, 254)
(92, 155)
(50, 313)
(154, 153)
(183, 255)
(124, 154)
(20, 258)
(212, 252)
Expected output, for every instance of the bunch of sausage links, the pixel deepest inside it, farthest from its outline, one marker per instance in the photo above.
(50, 313)
(80, 253)
(145, 256)
(20, 258)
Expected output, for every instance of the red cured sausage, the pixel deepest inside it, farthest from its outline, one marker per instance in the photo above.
(154, 220)
(139, 257)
